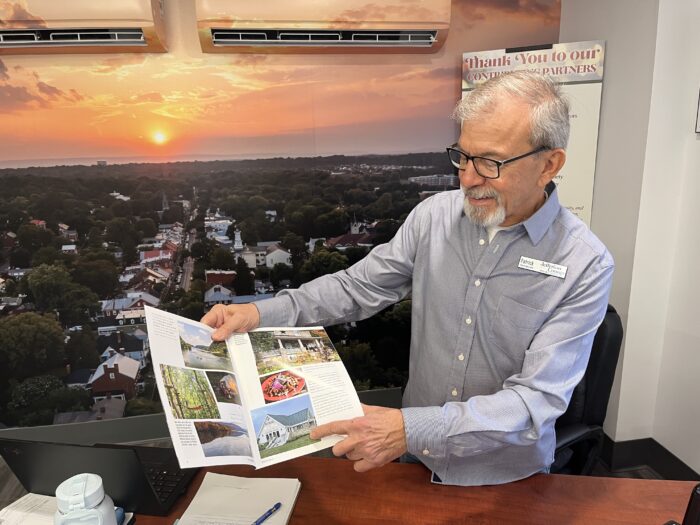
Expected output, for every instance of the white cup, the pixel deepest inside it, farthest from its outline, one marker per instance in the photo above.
(82, 500)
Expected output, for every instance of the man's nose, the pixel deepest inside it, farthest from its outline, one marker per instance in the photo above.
(468, 176)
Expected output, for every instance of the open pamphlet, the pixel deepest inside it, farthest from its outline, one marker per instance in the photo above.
(252, 399)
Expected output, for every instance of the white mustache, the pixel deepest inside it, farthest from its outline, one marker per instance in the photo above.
(480, 193)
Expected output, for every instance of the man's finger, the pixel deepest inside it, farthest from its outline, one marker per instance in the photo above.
(212, 318)
(353, 455)
(329, 429)
(345, 446)
(364, 465)
(231, 325)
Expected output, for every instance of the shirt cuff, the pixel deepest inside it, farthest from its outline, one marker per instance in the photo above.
(425, 431)
(275, 312)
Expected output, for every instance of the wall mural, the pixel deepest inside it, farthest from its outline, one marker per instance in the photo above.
(112, 169)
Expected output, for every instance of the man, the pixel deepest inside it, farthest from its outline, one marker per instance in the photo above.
(508, 289)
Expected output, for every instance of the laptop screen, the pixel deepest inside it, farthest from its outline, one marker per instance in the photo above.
(41, 467)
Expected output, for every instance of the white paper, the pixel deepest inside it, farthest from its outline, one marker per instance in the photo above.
(231, 500)
(34, 509)
(30, 509)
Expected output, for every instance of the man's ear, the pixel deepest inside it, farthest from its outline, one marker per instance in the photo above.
(554, 160)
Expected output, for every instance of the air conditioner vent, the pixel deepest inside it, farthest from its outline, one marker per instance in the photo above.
(275, 37)
(71, 37)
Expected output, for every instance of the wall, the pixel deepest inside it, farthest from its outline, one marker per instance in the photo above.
(645, 180)
(677, 417)
(622, 134)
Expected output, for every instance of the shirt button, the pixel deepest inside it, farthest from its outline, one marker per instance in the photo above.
(477, 283)
(460, 357)
(454, 392)
(482, 242)
(468, 320)
(426, 452)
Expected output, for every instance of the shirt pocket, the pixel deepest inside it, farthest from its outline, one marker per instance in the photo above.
(514, 325)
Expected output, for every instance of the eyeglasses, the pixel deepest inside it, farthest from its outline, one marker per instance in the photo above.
(485, 167)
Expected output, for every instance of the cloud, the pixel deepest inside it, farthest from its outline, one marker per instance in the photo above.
(26, 91)
(14, 98)
(111, 65)
(249, 60)
(50, 91)
(146, 97)
(14, 15)
(381, 11)
(547, 11)
(74, 95)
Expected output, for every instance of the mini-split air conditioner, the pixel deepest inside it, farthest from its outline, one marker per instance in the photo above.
(312, 26)
(81, 26)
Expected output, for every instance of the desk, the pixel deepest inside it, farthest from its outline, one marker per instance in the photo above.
(332, 492)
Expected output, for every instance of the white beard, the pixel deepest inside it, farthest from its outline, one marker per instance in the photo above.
(480, 216)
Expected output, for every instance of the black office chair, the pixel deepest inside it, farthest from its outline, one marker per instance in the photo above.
(580, 429)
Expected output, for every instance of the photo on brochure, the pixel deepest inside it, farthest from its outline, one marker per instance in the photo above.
(189, 393)
(225, 387)
(222, 439)
(284, 426)
(198, 349)
(282, 385)
(281, 349)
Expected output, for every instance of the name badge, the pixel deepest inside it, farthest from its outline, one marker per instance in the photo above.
(547, 268)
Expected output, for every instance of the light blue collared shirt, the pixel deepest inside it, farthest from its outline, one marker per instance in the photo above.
(496, 350)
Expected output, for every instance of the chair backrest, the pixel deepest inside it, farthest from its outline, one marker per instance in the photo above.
(589, 401)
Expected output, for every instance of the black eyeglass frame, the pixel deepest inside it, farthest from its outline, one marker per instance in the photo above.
(499, 163)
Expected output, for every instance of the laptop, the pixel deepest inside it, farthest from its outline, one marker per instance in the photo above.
(145, 480)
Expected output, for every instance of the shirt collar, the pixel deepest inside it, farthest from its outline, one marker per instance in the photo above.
(540, 221)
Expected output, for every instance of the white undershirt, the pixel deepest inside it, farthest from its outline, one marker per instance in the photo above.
(493, 230)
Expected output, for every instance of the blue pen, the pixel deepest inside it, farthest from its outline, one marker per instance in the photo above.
(267, 514)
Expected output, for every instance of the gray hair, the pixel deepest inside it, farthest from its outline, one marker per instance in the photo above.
(549, 109)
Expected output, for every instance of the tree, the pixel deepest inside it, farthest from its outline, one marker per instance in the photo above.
(49, 284)
(37, 399)
(32, 237)
(320, 263)
(147, 227)
(295, 245)
(331, 224)
(54, 291)
(222, 259)
(389, 334)
(280, 272)
(201, 249)
(355, 254)
(30, 344)
(120, 230)
(129, 253)
(47, 255)
(95, 237)
(81, 349)
(382, 208)
(10, 288)
(20, 258)
(361, 364)
(244, 284)
(100, 276)
(141, 407)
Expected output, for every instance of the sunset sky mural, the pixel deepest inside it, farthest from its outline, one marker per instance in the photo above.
(185, 105)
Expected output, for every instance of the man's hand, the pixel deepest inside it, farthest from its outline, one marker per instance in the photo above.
(372, 440)
(231, 318)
